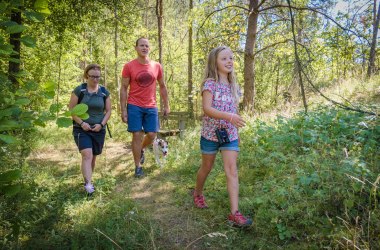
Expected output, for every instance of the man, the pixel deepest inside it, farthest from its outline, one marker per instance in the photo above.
(140, 76)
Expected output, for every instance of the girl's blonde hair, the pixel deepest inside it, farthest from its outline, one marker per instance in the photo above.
(211, 72)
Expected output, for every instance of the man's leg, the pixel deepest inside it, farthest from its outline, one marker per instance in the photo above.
(136, 150)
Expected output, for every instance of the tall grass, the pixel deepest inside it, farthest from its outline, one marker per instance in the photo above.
(309, 181)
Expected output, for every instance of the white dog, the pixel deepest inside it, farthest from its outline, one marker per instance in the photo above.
(160, 148)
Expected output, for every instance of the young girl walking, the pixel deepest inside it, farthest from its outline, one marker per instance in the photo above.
(220, 97)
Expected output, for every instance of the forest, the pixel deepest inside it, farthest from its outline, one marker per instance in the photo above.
(309, 162)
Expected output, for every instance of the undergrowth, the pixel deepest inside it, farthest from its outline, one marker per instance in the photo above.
(309, 182)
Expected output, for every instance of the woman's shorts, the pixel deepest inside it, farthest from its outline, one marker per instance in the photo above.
(89, 139)
(142, 119)
(212, 147)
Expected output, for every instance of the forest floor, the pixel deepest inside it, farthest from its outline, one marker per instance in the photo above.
(153, 194)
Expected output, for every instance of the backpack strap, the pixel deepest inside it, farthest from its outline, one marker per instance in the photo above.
(83, 88)
(103, 90)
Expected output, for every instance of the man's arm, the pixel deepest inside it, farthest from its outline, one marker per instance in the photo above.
(164, 96)
(123, 98)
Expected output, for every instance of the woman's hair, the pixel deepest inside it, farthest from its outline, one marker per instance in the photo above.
(211, 72)
(90, 67)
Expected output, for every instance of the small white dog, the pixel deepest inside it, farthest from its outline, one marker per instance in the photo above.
(160, 148)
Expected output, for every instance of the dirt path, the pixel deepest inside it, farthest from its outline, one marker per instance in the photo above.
(153, 193)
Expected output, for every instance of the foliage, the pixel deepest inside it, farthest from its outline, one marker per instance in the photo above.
(314, 178)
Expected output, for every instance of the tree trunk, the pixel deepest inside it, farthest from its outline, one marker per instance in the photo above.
(249, 60)
(294, 88)
(297, 59)
(116, 37)
(190, 107)
(372, 53)
(59, 71)
(14, 66)
(159, 13)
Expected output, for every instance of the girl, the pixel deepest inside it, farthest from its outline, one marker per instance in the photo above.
(220, 98)
(89, 134)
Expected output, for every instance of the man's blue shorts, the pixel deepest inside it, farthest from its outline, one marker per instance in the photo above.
(89, 139)
(142, 119)
(211, 147)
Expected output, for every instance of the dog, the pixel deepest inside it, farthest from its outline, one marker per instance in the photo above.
(160, 148)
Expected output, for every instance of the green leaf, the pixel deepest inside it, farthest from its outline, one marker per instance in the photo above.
(8, 23)
(6, 49)
(42, 6)
(15, 29)
(10, 175)
(6, 125)
(79, 109)
(11, 190)
(7, 139)
(22, 101)
(49, 94)
(64, 122)
(15, 60)
(48, 86)
(84, 116)
(55, 107)
(28, 41)
(34, 16)
(6, 112)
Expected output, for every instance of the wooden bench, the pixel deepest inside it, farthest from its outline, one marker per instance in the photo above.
(173, 124)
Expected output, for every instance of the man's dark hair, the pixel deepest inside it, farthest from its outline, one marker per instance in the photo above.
(137, 41)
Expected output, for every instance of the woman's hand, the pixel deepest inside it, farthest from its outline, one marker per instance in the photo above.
(85, 126)
(96, 128)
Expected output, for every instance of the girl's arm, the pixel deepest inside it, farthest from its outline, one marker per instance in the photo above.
(235, 119)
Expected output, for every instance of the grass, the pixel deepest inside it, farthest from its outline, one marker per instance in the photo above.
(308, 181)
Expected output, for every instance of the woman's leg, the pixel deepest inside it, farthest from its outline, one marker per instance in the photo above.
(207, 164)
(86, 167)
(230, 168)
(93, 162)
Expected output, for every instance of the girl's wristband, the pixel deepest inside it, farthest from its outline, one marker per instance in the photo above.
(232, 114)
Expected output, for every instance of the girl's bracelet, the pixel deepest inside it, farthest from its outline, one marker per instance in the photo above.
(232, 114)
(81, 123)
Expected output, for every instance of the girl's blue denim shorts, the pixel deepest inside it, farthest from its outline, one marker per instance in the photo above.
(212, 147)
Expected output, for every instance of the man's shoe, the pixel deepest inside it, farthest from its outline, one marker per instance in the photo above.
(142, 156)
(139, 172)
(238, 220)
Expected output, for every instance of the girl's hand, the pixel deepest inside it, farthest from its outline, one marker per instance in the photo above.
(237, 120)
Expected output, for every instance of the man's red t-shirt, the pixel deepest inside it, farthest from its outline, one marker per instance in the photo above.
(143, 82)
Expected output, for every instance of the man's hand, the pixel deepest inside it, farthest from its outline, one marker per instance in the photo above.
(166, 111)
(124, 116)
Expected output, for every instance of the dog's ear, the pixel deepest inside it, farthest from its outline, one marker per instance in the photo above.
(167, 143)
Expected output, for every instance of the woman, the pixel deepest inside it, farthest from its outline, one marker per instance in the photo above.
(89, 134)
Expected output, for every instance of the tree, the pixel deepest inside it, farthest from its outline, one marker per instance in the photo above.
(190, 107)
(249, 60)
(372, 54)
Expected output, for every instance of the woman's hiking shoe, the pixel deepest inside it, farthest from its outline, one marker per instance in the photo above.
(142, 156)
(199, 201)
(89, 188)
(139, 172)
(238, 220)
